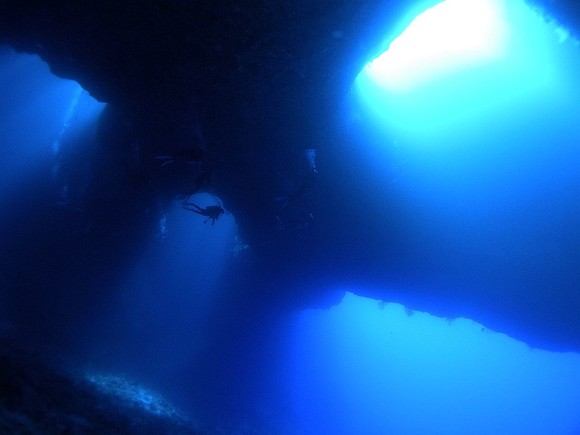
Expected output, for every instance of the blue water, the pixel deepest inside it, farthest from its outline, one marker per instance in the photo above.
(372, 367)
(483, 155)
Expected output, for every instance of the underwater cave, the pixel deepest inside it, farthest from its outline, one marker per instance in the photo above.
(268, 217)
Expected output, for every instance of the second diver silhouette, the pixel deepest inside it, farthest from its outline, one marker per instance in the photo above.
(308, 182)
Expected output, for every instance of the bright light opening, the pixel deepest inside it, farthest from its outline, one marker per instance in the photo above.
(458, 63)
(451, 36)
(371, 367)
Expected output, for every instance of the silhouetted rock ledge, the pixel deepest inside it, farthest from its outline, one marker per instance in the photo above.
(37, 399)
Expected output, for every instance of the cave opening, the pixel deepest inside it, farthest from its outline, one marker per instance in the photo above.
(444, 110)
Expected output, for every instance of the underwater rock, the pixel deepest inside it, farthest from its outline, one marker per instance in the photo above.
(38, 399)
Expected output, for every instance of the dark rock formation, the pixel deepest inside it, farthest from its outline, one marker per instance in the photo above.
(38, 399)
(245, 71)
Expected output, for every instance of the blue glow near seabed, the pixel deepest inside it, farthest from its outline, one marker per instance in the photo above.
(376, 368)
(169, 299)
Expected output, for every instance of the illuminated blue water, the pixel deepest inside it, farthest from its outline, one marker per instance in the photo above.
(474, 110)
(371, 367)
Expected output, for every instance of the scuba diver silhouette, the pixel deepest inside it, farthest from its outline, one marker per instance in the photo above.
(212, 212)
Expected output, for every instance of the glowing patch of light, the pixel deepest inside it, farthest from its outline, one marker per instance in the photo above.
(452, 35)
(458, 63)
(188, 235)
(174, 286)
(366, 366)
